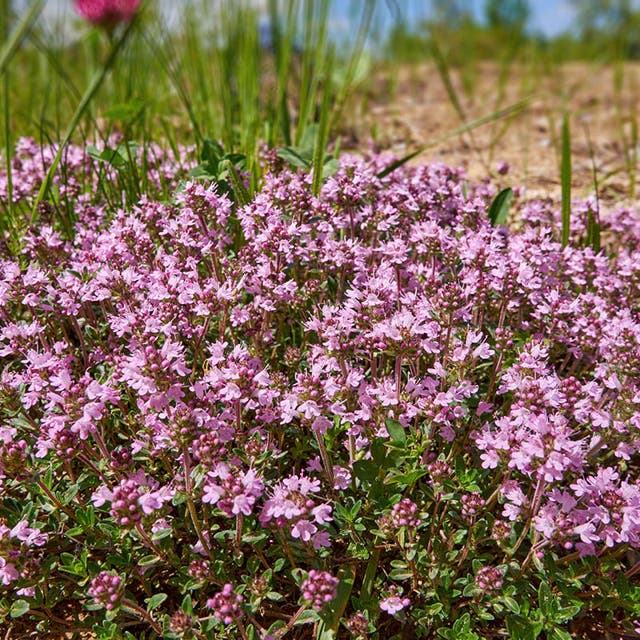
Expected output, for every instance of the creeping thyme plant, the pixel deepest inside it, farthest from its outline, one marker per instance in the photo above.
(366, 414)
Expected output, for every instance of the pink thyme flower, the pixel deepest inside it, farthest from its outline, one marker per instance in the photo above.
(394, 602)
(226, 604)
(106, 589)
(319, 588)
(107, 13)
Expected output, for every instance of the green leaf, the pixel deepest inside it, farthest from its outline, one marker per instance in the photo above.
(155, 601)
(330, 167)
(546, 601)
(522, 629)
(126, 111)
(365, 470)
(511, 604)
(396, 431)
(147, 561)
(499, 209)
(400, 574)
(558, 634)
(370, 575)
(295, 156)
(187, 604)
(306, 617)
(331, 614)
(19, 608)
(462, 624)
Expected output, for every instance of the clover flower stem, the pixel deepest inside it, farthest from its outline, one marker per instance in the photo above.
(447, 341)
(398, 377)
(47, 615)
(325, 457)
(498, 363)
(69, 470)
(262, 557)
(570, 557)
(101, 445)
(467, 545)
(351, 442)
(85, 460)
(415, 575)
(135, 609)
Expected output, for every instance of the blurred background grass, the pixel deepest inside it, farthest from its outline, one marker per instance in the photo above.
(304, 74)
(229, 68)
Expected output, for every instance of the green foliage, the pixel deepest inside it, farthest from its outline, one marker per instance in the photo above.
(499, 208)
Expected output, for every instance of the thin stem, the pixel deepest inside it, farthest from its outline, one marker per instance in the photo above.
(132, 607)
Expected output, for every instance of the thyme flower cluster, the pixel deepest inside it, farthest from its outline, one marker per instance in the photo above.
(372, 398)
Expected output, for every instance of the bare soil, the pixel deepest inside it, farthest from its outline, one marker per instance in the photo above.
(409, 107)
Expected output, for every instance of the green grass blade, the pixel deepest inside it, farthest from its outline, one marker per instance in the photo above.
(445, 76)
(565, 180)
(322, 134)
(19, 33)
(316, 18)
(355, 58)
(240, 192)
(330, 617)
(499, 209)
(514, 108)
(82, 107)
(593, 217)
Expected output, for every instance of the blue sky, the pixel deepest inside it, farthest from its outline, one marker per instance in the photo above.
(549, 17)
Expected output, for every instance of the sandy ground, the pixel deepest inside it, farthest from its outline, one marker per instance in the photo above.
(409, 107)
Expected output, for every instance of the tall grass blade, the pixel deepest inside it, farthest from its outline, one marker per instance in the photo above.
(322, 134)
(82, 107)
(565, 179)
(240, 192)
(502, 113)
(316, 18)
(445, 76)
(283, 49)
(355, 58)
(593, 217)
(20, 31)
